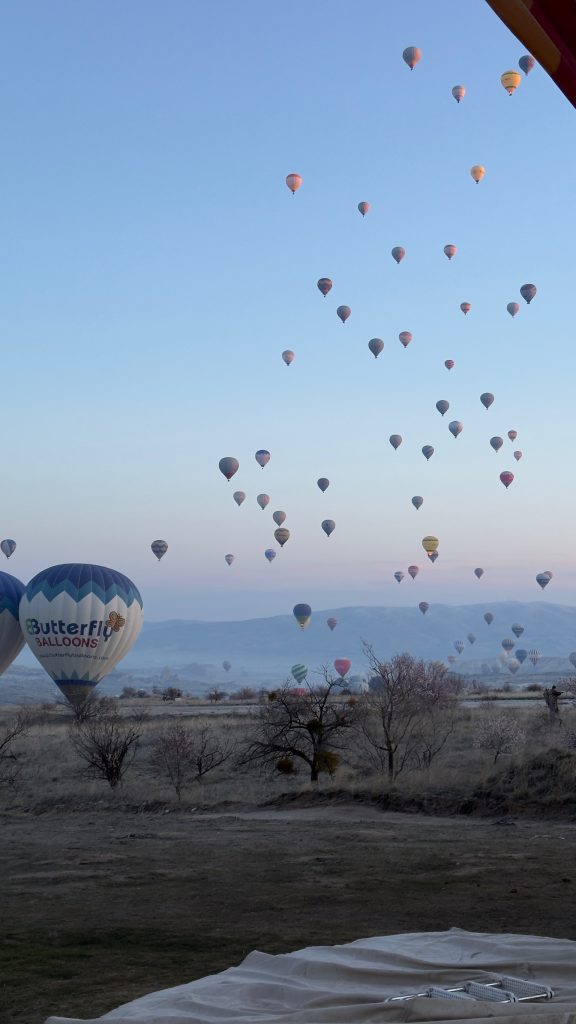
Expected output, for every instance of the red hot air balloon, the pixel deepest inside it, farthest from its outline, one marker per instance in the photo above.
(448, 363)
(293, 182)
(228, 466)
(331, 623)
(363, 207)
(512, 434)
(506, 478)
(465, 307)
(324, 284)
(342, 666)
(450, 251)
(343, 312)
(405, 338)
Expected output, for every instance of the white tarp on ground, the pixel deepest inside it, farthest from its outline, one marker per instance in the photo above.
(349, 984)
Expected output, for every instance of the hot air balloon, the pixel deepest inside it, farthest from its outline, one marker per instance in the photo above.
(376, 345)
(488, 617)
(455, 427)
(506, 477)
(79, 621)
(293, 181)
(228, 466)
(405, 338)
(11, 636)
(228, 559)
(459, 646)
(363, 207)
(458, 93)
(325, 285)
(288, 356)
(411, 55)
(510, 81)
(239, 497)
(299, 672)
(302, 613)
(496, 443)
(413, 571)
(342, 666)
(465, 307)
(430, 544)
(517, 455)
(508, 644)
(487, 399)
(513, 308)
(442, 405)
(159, 548)
(423, 606)
(450, 251)
(399, 576)
(263, 500)
(328, 525)
(448, 363)
(427, 452)
(517, 629)
(528, 291)
(521, 656)
(270, 554)
(323, 483)
(433, 556)
(262, 457)
(526, 63)
(512, 434)
(572, 658)
(278, 517)
(281, 535)
(477, 172)
(543, 579)
(226, 666)
(8, 547)
(331, 623)
(534, 656)
(398, 253)
(478, 573)
(513, 665)
(471, 638)
(417, 501)
(395, 440)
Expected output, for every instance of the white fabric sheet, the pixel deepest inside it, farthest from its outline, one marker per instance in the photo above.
(349, 984)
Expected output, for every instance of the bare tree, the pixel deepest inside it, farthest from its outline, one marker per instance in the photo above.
(108, 745)
(183, 755)
(11, 762)
(499, 732)
(310, 728)
(88, 707)
(215, 695)
(409, 712)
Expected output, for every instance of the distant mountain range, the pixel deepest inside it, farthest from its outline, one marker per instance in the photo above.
(262, 651)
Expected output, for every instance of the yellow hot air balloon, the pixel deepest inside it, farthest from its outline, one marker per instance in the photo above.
(430, 544)
(511, 80)
(478, 171)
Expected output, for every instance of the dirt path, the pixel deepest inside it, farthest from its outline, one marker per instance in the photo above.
(100, 908)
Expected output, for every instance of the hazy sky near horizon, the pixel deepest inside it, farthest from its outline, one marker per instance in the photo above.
(154, 266)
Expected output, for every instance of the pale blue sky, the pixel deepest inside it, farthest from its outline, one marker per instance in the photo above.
(154, 266)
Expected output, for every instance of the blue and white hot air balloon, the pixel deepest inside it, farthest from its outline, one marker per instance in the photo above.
(8, 547)
(11, 639)
(79, 621)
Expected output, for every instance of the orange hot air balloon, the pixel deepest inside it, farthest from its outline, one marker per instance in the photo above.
(293, 181)
(510, 81)
(477, 172)
(411, 56)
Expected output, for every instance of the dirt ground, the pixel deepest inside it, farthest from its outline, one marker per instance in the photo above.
(99, 909)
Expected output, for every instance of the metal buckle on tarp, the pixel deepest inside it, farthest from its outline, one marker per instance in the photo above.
(499, 989)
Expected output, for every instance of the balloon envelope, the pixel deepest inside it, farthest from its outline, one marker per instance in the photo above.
(459, 646)
(281, 535)
(450, 251)
(262, 457)
(448, 363)
(517, 629)
(293, 182)
(572, 658)
(543, 579)
(518, 455)
(11, 636)
(417, 501)
(458, 92)
(328, 525)
(376, 345)
(302, 613)
(521, 655)
(430, 544)
(342, 666)
(513, 308)
(526, 63)
(399, 576)
(506, 477)
(534, 655)
(159, 548)
(405, 338)
(442, 405)
(455, 427)
(299, 672)
(239, 497)
(288, 356)
(496, 443)
(478, 573)
(510, 81)
(508, 644)
(279, 517)
(80, 621)
(413, 571)
(398, 253)
(270, 554)
(228, 559)
(323, 483)
(263, 500)
(8, 547)
(332, 623)
(488, 617)
(465, 307)
(487, 399)
(477, 172)
(325, 285)
(471, 638)
(528, 291)
(395, 440)
(228, 466)
(512, 434)
(423, 606)
(411, 55)
(343, 312)
(427, 451)
(363, 207)
(226, 665)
